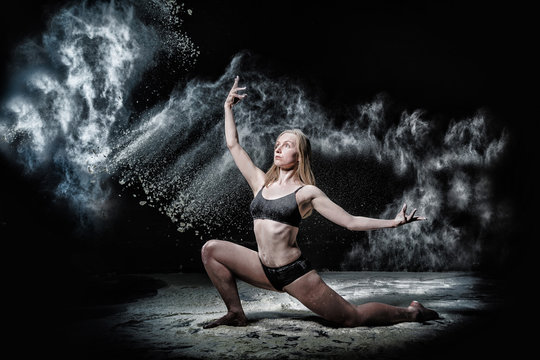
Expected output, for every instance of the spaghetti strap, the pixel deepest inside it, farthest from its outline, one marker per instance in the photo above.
(295, 191)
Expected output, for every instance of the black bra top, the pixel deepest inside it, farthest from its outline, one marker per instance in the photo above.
(283, 209)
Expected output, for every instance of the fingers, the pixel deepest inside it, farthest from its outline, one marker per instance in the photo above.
(416, 218)
(237, 98)
(411, 216)
(236, 79)
(235, 85)
(234, 97)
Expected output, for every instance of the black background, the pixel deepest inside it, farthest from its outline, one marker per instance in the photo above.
(448, 58)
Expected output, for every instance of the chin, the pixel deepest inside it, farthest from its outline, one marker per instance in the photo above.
(284, 166)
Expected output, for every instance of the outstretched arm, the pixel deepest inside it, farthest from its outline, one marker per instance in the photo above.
(338, 215)
(253, 175)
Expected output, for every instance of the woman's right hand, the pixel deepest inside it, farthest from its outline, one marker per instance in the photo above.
(233, 96)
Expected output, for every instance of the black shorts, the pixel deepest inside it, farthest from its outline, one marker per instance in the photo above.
(282, 276)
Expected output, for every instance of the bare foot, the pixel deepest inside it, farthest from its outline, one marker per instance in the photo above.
(421, 313)
(231, 319)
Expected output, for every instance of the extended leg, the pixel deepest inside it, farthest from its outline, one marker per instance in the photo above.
(224, 262)
(374, 313)
(317, 296)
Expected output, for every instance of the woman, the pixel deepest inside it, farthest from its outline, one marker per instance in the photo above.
(282, 197)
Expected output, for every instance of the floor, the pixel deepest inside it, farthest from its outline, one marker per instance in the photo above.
(164, 318)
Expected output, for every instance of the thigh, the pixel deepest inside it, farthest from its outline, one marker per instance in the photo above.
(244, 263)
(317, 296)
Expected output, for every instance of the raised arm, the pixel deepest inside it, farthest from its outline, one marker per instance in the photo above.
(338, 215)
(253, 175)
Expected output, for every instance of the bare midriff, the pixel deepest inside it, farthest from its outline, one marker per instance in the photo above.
(276, 242)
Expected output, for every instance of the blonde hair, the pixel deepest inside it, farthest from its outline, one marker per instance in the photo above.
(303, 169)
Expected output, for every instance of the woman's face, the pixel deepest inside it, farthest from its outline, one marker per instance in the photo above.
(285, 153)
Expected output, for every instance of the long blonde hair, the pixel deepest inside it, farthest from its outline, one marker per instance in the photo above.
(303, 169)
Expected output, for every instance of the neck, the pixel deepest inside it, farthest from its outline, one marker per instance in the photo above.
(286, 176)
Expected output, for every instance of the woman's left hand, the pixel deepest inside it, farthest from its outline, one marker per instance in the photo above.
(402, 217)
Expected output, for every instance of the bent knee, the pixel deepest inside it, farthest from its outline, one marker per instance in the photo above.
(348, 319)
(208, 249)
(351, 322)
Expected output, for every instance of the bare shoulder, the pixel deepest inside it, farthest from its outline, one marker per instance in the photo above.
(305, 197)
(310, 192)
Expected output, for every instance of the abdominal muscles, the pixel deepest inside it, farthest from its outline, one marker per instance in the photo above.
(276, 242)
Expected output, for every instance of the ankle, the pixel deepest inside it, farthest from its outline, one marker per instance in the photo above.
(236, 312)
(413, 313)
(416, 315)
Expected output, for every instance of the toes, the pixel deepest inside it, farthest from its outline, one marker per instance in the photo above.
(210, 325)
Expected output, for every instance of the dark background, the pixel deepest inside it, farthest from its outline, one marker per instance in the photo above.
(448, 58)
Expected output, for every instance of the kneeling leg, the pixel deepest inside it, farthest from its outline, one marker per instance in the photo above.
(224, 262)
